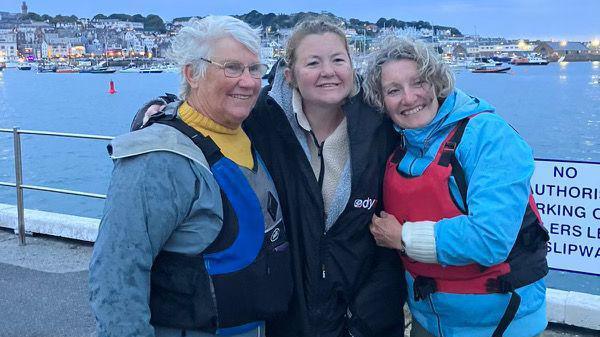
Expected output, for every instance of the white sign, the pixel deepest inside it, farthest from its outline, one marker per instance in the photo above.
(567, 195)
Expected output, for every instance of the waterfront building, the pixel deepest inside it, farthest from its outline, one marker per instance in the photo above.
(8, 46)
(571, 51)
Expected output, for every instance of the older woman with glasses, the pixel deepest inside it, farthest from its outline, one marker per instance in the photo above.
(192, 241)
(457, 202)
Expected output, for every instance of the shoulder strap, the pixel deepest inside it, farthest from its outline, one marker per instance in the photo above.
(449, 157)
(206, 144)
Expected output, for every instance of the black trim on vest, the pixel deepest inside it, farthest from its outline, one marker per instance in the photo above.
(184, 295)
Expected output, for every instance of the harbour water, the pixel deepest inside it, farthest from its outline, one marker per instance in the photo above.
(556, 108)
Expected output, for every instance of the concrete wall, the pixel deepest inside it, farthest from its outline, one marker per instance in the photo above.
(565, 307)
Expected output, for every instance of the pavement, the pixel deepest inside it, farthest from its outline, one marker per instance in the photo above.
(43, 290)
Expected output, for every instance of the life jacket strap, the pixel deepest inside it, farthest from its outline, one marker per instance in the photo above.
(509, 314)
(208, 147)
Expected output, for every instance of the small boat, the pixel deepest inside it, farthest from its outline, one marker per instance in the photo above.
(130, 69)
(67, 70)
(150, 70)
(24, 67)
(491, 69)
(100, 70)
(531, 59)
(47, 68)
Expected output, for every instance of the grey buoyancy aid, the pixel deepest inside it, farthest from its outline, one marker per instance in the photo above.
(244, 276)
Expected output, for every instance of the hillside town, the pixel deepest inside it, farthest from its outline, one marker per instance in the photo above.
(26, 37)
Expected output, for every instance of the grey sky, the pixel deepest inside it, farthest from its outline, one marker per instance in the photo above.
(544, 19)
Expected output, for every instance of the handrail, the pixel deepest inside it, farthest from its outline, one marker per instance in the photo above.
(18, 184)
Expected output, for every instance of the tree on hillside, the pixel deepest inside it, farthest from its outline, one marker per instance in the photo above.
(99, 16)
(138, 18)
(64, 19)
(32, 16)
(120, 17)
(183, 19)
(154, 23)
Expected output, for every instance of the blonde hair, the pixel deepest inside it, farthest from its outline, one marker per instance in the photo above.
(430, 67)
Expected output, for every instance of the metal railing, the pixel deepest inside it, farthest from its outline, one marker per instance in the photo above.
(18, 184)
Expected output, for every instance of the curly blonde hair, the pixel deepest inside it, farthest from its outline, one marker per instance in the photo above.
(429, 65)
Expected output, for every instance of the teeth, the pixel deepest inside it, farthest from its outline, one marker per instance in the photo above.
(328, 85)
(241, 96)
(413, 111)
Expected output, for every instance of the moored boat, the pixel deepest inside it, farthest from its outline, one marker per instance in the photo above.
(47, 68)
(98, 70)
(531, 59)
(491, 69)
(150, 70)
(66, 70)
(24, 67)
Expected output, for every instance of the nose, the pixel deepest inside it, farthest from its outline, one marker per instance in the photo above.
(247, 81)
(327, 69)
(409, 96)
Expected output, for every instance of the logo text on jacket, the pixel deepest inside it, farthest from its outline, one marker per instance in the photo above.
(364, 203)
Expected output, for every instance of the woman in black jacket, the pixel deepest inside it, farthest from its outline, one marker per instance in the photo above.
(326, 150)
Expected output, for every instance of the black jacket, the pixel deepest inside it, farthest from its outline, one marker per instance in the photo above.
(343, 281)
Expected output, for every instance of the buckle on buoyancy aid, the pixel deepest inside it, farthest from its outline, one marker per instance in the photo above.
(423, 287)
(447, 153)
(500, 284)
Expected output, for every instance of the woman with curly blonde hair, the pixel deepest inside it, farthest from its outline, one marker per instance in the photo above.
(457, 202)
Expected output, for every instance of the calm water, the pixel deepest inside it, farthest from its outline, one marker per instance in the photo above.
(556, 108)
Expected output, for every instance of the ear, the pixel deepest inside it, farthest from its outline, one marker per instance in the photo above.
(289, 75)
(188, 73)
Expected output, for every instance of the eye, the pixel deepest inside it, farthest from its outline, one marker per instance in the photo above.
(339, 60)
(418, 83)
(234, 67)
(312, 63)
(392, 92)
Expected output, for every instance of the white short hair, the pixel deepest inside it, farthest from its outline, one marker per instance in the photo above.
(197, 38)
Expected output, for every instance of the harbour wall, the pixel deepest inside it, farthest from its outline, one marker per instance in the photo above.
(564, 307)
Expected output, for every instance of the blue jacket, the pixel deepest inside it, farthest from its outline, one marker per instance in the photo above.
(498, 165)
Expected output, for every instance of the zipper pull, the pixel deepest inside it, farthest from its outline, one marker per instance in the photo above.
(323, 270)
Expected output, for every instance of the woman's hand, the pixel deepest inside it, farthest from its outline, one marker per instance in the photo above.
(387, 231)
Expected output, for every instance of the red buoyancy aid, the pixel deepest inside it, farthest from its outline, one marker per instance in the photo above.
(427, 197)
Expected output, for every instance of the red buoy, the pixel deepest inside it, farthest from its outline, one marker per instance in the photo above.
(112, 90)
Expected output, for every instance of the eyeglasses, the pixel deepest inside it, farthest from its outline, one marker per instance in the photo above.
(236, 69)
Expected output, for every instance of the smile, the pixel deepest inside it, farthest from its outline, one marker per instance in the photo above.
(328, 85)
(238, 96)
(413, 110)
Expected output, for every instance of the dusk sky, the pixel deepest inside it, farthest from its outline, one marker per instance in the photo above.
(577, 20)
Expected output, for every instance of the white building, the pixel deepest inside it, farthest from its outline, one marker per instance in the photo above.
(8, 47)
(116, 24)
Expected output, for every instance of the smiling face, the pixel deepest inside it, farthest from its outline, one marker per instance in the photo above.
(225, 100)
(322, 71)
(409, 101)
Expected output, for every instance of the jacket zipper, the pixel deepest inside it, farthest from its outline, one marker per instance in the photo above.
(439, 322)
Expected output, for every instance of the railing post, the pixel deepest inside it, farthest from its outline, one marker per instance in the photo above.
(18, 185)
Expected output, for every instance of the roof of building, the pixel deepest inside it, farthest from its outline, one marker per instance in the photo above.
(569, 46)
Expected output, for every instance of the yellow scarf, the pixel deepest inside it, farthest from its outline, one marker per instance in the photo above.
(234, 144)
